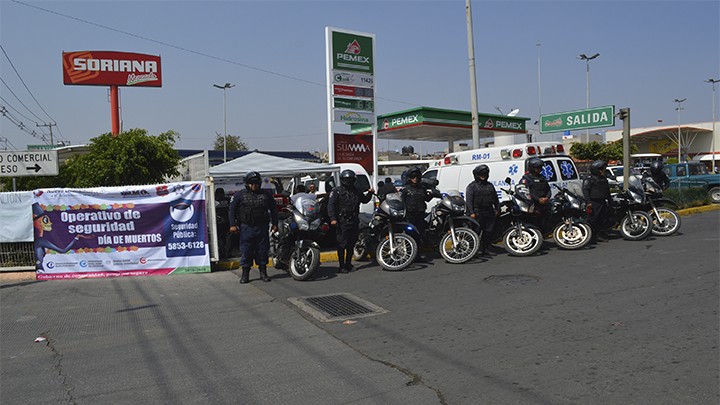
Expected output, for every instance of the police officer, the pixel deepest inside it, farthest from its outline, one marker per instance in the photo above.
(539, 188)
(415, 195)
(343, 209)
(659, 175)
(483, 204)
(251, 210)
(387, 188)
(596, 191)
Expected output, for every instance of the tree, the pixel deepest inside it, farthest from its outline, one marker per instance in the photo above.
(595, 150)
(233, 143)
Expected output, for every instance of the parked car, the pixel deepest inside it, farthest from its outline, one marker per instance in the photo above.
(694, 174)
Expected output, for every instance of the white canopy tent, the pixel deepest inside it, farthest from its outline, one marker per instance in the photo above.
(268, 165)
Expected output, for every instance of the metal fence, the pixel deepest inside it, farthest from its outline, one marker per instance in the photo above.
(17, 256)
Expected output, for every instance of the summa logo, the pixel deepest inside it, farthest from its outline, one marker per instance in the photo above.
(353, 147)
(353, 47)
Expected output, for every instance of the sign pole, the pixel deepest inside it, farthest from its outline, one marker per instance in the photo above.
(625, 117)
(115, 109)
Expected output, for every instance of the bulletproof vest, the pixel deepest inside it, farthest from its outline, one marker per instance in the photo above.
(253, 209)
(485, 195)
(415, 197)
(599, 188)
(348, 202)
(537, 185)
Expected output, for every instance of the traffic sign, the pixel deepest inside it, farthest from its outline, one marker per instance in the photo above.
(581, 119)
(29, 163)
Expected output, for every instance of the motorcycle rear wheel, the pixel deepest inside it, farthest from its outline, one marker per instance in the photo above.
(523, 242)
(405, 251)
(466, 248)
(638, 227)
(304, 262)
(572, 236)
(668, 222)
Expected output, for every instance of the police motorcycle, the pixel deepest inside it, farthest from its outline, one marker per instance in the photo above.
(457, 241)
(520, 237)
(666, 221)
(294, 246)
(628, 215)
(386, 232)
(566, 212)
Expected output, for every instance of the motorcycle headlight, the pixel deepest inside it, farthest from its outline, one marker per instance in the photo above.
(636, 197)
(458, 208)
(315, 224)
(302, 223)
(397, 213)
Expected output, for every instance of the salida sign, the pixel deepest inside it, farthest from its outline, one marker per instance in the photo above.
(354, 149)
(110, 68)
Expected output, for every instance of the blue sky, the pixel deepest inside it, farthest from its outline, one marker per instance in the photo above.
(651, 52)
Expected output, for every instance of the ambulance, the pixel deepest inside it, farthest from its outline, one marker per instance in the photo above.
(454, 172)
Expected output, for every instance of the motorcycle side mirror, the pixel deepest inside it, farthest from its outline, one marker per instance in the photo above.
(508, 180)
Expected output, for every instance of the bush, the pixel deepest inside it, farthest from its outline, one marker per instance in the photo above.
(687, 197)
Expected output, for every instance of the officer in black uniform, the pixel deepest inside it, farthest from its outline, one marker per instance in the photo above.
(387, 188)
(251, 210)
(483, 204)
(539, 189)
(658, 174)
(596, 191)
(416, 194)
(343, 209)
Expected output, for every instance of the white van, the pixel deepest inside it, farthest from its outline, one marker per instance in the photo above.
(325, 183)
(455, 171)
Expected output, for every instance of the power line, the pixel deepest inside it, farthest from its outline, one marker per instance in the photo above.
(192, 51)
(20, 101)
(4, 111)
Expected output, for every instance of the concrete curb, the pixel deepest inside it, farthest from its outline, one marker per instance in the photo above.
(697, 210)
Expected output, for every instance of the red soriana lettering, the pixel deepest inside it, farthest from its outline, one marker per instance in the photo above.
(111, 68)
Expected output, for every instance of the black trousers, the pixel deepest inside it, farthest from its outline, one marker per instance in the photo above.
(254, 245)
(347, 231)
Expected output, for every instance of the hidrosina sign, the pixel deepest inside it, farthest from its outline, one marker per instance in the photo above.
(581, 119)
(110, 68)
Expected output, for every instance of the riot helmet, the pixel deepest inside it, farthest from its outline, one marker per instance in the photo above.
(481, 171)
(252, 178)
(656, 167)
(347, 177)
(414, 173)
(598, 167)
(535, 165)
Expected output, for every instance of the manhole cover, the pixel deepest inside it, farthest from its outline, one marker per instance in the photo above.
(337, 307)
(513, 279)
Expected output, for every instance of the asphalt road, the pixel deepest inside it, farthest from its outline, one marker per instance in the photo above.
(620, 322)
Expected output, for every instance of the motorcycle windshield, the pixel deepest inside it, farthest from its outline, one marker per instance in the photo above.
(308, 207)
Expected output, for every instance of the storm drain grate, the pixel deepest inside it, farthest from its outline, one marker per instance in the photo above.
(337, 307)
(513, 279)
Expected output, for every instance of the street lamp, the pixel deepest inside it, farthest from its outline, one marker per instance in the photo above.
(224, 88)
(587, 60)
(713, 81)
(678, 109)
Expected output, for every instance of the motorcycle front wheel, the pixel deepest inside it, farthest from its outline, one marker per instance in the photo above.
(524, 241)
(304, 262)
(666, 223)
(636, 226)
(572, 236)
(468, 243)
(405, 251)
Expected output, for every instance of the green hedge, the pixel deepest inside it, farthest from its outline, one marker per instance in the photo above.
(687, 197)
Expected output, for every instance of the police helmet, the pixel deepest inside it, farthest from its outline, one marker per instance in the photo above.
(656, 167)
(347, 177)
(415, 172)
(597, 167)
(535, 164)
(252, 178)
(481, 171)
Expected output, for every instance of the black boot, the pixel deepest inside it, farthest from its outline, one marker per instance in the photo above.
(341, 260)
(263, 274)
(245, 277)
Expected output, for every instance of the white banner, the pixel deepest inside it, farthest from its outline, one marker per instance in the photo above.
(16, 223)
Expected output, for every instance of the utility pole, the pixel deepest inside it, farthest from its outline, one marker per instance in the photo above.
(50, 125)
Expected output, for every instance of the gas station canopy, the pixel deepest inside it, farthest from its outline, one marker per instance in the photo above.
(441, 125)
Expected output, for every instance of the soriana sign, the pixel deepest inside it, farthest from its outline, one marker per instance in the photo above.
(109, 68)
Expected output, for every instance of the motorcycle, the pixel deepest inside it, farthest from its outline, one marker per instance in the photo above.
(294, 246)
(520, 237)
(567, 210)
(666, 221)
(458, 242)
(386, 233)
(626, 213)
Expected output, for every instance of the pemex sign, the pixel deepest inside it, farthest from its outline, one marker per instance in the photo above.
(580, 119)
